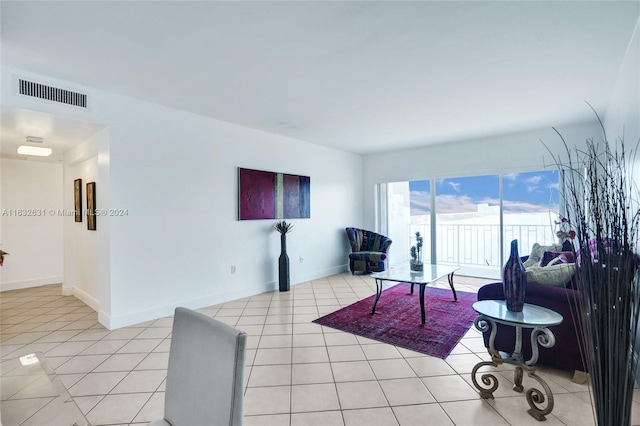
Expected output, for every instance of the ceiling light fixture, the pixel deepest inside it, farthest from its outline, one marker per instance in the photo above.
(34, 150)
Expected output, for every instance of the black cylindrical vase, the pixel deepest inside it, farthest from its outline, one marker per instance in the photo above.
(283, 264)
(514, 280)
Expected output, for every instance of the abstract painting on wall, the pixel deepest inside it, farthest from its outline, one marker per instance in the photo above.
(91, 206)
(270, 195)
(77, 199)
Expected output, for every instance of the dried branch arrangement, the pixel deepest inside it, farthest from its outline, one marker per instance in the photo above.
(601, 201)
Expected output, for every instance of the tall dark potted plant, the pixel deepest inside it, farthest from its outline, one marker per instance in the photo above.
(416, 263)
(283, 227)
(601, 202)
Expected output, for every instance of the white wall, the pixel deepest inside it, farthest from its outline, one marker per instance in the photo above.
(176, 175)
(500, 154)
(82, 255)
(183, 211)
(623, 114)
(34, 242)
(624, 107)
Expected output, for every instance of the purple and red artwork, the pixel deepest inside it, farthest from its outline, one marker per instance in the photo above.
(270, 195)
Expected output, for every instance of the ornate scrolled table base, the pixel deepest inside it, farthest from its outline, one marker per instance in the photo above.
(534, 396)
(540, 335)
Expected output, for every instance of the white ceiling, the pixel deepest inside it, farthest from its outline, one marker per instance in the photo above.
(58, 133)
(360, 76)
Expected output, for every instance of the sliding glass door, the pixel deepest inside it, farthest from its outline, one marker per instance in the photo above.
(408, 211)
(470, 221)
(530, 206)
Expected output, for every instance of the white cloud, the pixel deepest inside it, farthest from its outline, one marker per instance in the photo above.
(524, 207)
(535, 180)
(455, 186)
(455, 204)
(465, 204)
(490, 201)
(445, 203)
(520, 206)
(418, 212)
(420, 202)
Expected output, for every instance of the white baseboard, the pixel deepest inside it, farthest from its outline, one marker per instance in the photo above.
(91, 301)
(17, 285)
(322, 274)
(113, 323)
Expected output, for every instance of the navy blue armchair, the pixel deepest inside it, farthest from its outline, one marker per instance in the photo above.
(368, 250)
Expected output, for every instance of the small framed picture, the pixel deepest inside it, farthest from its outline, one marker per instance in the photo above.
(91, 206)
(77, 199)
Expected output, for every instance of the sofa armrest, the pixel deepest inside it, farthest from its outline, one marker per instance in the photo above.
(493, 291)
(548, 296)
(555, 298)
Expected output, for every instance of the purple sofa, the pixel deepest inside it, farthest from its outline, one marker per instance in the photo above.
(565, 354)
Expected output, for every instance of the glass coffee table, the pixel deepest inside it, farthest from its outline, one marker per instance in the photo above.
(404, 274)
(537, 318)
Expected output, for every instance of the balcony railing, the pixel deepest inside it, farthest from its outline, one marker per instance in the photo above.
(479, 245)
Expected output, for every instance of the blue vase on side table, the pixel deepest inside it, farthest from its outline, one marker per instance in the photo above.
(514, 280)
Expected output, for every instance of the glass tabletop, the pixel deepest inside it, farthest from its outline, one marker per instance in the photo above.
(32, 393)
(531, 315)
(403, 273)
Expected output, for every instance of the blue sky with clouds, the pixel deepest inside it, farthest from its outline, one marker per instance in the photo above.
(522, 193)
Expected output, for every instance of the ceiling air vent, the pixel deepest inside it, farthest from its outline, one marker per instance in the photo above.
(34, 139)
(50, 93)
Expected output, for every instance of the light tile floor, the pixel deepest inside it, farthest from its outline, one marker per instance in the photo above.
(297, 372)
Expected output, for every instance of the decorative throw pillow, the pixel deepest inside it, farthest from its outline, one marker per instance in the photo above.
(568, 257)
(557, 275)
(554, 257)
(548, 257)
(537, 251)
(567, 245)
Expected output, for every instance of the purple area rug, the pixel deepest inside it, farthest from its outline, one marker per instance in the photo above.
(397, 319)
